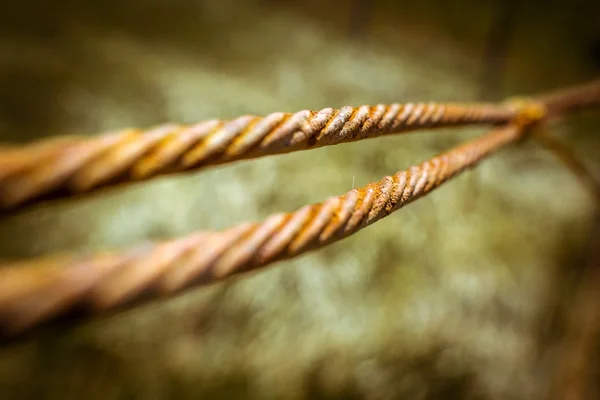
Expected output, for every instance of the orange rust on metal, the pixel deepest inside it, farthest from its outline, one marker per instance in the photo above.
(571, 99)
(528, 111)
(85, 164)
(36, 291)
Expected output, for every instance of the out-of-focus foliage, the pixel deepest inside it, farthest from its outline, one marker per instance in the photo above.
(460, 295)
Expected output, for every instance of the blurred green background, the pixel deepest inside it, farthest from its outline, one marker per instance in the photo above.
(461, 295)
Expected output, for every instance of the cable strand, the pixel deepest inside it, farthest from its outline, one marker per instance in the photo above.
(32, 292)
(36, 291)
(86, 164)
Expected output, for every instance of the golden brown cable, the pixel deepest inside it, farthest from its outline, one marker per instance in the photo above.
(82, 164)
(32, 292)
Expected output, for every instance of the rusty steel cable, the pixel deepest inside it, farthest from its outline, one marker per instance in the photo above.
(81, 164)
(32, 292)
(36, 291)
(563, 101)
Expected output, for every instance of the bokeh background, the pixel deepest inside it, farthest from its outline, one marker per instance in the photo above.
(465, 294)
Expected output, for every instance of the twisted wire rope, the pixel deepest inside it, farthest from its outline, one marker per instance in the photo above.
(82, 164)
(33, 292)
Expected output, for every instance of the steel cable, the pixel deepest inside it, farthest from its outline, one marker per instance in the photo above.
(82, 164)
(33, 292)
(575, 98)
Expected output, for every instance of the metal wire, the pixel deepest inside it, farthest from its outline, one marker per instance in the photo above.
(36, 291)
(33, 292)
(571, 99)
(80, 164)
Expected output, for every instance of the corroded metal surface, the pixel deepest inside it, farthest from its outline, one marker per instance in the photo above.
(33, 292)
(79, 164)
(572, 99)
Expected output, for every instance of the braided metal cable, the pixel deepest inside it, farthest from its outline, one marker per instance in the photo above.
(82, 164)
(32, 292)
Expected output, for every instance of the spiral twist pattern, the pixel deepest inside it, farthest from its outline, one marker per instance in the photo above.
(31, 293)
(36, 291)
(80, 164)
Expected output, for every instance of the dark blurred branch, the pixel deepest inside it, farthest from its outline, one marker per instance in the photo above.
(497, 44)
(570, 160)
(575, 366)
(361, 13)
